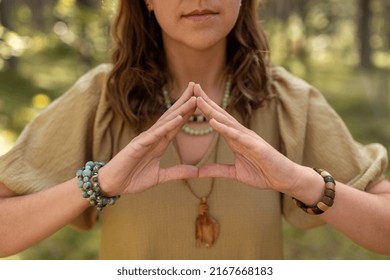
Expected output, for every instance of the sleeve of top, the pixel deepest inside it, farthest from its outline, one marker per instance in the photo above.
(57, 142)
(313, 135)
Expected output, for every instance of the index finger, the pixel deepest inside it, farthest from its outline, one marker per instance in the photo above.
(187, 94)
(198, 92)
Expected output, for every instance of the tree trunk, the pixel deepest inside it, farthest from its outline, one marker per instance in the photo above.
(6, 15)
(364, 26)
(85, 51)
(6, 11)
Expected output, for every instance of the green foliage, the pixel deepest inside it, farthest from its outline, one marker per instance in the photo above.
(323, 243)
(66, 244)
(318, 44)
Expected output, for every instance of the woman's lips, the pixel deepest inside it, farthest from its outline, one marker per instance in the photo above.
(200, 15)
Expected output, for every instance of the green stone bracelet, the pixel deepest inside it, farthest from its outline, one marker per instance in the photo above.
(87, 181)
(327, 200)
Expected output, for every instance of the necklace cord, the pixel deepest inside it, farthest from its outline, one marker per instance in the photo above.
(187, 183)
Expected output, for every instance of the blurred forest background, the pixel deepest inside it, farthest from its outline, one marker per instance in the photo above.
(341, 47)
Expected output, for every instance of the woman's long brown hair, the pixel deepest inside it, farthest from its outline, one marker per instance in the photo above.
(139, 67)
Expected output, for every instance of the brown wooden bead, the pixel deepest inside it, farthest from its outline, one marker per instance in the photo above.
(316, 210)
(325, 173)
(322, 206)
(330, 193)
(330, 186)
(327, 201)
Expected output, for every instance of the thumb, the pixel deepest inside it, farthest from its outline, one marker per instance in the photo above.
(177, 172)
(214, 170)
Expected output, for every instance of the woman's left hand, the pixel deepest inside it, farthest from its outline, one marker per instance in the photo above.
(256, 162)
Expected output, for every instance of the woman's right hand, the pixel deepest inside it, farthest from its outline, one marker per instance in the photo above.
(137, 167)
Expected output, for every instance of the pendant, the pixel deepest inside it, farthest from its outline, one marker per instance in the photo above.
(206, 227)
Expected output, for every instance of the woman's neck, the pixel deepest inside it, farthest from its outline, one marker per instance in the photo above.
(205, 67)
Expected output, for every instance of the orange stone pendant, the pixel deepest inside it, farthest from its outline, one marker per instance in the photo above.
(206, 227)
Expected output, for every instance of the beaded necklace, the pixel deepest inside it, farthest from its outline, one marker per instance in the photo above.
(199, 118)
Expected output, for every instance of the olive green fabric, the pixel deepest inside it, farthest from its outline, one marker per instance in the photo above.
(160, 223)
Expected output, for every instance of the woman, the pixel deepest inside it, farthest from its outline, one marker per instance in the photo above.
(204, 141)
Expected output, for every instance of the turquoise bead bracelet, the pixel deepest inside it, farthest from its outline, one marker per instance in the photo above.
(87, 181)
(327, 200)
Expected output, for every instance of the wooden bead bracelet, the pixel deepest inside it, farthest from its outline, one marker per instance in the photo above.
(328, 198)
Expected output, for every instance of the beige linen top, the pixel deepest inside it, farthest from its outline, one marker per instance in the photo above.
(160, 223)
